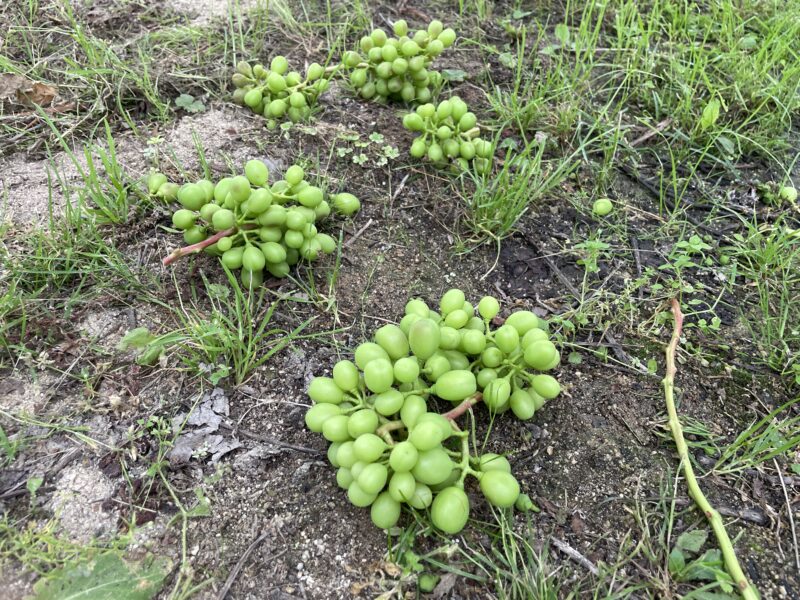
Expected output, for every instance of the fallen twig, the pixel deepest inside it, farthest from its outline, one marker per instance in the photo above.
(463, 407)
(791, 517)
(357, 234)
(575, 555)
(747, 591)
(240, 564)
(181, 252)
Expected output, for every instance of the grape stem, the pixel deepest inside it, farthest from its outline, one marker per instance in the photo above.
(385, 431)
(186, 250)
(181, 252)
(747, 591)
(465, 405)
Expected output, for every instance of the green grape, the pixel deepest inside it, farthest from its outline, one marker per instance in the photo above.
(485, 376)
(253, 259)
(273, 252)
(392, 339)
(346, 455)
(445, 427)
(375, 55)
(239, 189)
(488, 307)
(433, 466)
(407, 92)
(417, 307)
(233, 257)
(385, 511)
(373, 477)
(506, 338)
(194, 235)
(421, 37)
(449, 338)
(523, 321)
(365, 44)
(447, 37)
(443, 110)
(406, 369)
(168, 191)
(346, 204)
(540, 355)
(315, 71)
(467, 149)
(191, 196)
(276, 83)
(467, 121)
(444, 132)
(452, 300)
(367, 352)
(310, 196)
(223, 219)
(493, 462)
(413, 122)
(532, 336)
(327, 243)
(251, 279)
(410, 48)
(435, 152)
(384, 71)
(293, 78)
(334, 429)
(297, 100)
(492, 357)
(243, 67)
(358, 78)
(423, 338)
(253, 97)
(224, 244)
(359, 497)
(418, 148)
(434, 48)
(274, 216)
(345, 375)
(325, 390)
(389, 402)
(456, 319)
(256, 172)
(344, 478)
(425, 436)
(500, 488)
(332, 450)
(400, 28)
(522, 405)
(221, 189)
(184, 219)
(155, 181)
(435, 27)
(402, 486)
(389, 54)
(496, 394)
(318, 414)
(279, 65)
(473, 342)
(450, 510)
(379, 37)
(545, 386)
(208, 188)
(379, 375)
(295, 220)
(436, 366)
(357, 467)
(422, 496)
(413, 408)
(368, 448)
(362, 421)
(322, 210)
(310, 249)
(450, 146)
(456, 385)
(399, 66)
(407, 321)
(403, 457)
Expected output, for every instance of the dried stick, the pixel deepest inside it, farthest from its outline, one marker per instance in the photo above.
(747, 591)
(463, 407)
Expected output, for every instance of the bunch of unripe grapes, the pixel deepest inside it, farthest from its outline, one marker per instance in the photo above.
(258, 226)
(396, 68)
(449, 131)
(389, 449)
(278, 93)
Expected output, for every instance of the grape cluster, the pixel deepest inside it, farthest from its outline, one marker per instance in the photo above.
(389, 449)
(276, 93)
(449, 130)
(258, 226)
(396, 68)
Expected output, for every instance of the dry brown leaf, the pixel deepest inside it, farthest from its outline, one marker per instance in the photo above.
(19, 90)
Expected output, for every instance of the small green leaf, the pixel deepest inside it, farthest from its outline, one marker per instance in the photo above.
(574, 358)
(676, 561)
(150, 355)
(795, 468)
(520, 14)
(107, 577)
(710, 114)
(456, 75)
(33, 484)
(652, 365)
(508, 60)
(136, 338)
(692, 541)
(562, 33)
